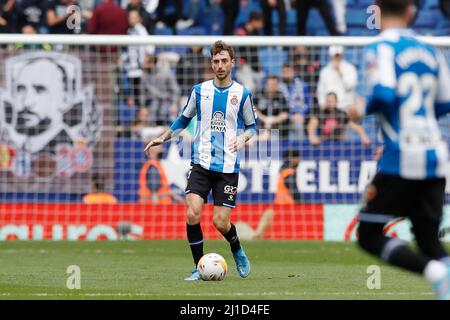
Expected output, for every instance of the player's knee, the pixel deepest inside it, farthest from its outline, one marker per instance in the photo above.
(193, 216)
(221, 224)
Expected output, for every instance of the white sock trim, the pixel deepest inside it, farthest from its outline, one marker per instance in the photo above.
(435, 271)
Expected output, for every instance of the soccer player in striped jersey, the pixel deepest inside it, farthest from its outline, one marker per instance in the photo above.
(408, 89)
(225, 122)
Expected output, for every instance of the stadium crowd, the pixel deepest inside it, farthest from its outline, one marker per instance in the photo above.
(294, 90)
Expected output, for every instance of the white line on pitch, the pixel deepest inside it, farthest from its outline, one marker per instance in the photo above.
(140, 294)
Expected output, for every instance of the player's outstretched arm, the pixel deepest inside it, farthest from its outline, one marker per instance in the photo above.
(158, 141)
(178, 125)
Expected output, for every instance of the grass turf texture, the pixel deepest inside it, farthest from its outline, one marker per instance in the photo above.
(155, 270)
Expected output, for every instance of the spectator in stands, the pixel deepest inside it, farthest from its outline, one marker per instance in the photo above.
(268, 6)
(108, 18)
(162, 92)
(133, 57)
(87, 8)
(8, 16)
(208, 73)
(339, 7)
(338, 76)
(287, 191)
(306, 65)
(297, 96)
(4, 27)
(303, 7)
(330, 123)
(140, 123)
(147, 20)
(57, 16)
(154, 186)
(33, 12)
(272, 108)
(249, 68)
(98, 192)
(29, 29)
(190, 68)
(445, 7)
(169, 13)
(230, 10)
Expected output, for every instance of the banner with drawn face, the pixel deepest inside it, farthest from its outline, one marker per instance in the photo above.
(49, 121)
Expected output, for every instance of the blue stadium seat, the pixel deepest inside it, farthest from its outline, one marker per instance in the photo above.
(426, 19)
(364, 3)
(431, 4)
(272, 59)
(362, 32)
(315, 23)
(163, 31)
(443, 28)
(244, 12)
(193, 31)
(211, 18)
(320, 32)
(356, 17)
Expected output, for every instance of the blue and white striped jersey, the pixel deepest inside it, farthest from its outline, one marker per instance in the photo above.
(222, 115)
(408, 88)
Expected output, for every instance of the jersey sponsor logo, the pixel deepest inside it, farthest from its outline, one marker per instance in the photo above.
(218, 122)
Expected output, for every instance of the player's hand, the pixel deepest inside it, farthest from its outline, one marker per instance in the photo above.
(237, 144)
(153, 143)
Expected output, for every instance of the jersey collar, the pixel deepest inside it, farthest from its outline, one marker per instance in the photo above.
(222, 89)
(395, 32)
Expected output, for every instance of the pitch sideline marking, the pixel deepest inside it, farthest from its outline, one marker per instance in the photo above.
(140, 294)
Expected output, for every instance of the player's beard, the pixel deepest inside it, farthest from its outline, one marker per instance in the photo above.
(223, 77)
(21, 127)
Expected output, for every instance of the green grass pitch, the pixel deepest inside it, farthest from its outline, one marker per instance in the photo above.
(155, 270)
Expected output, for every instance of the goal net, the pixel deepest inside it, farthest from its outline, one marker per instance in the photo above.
(77, 111)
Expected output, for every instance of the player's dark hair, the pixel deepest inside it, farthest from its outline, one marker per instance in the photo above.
(394, 7)
(219, 46)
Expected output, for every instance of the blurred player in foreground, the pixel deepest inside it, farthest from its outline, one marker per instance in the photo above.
(225, 122)
(408, 85)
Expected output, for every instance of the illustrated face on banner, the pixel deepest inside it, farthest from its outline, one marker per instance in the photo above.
(44, 104)
(47, 116)
(40, 94)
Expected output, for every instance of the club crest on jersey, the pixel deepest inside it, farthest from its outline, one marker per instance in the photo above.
(218, 122)
(234, 101)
